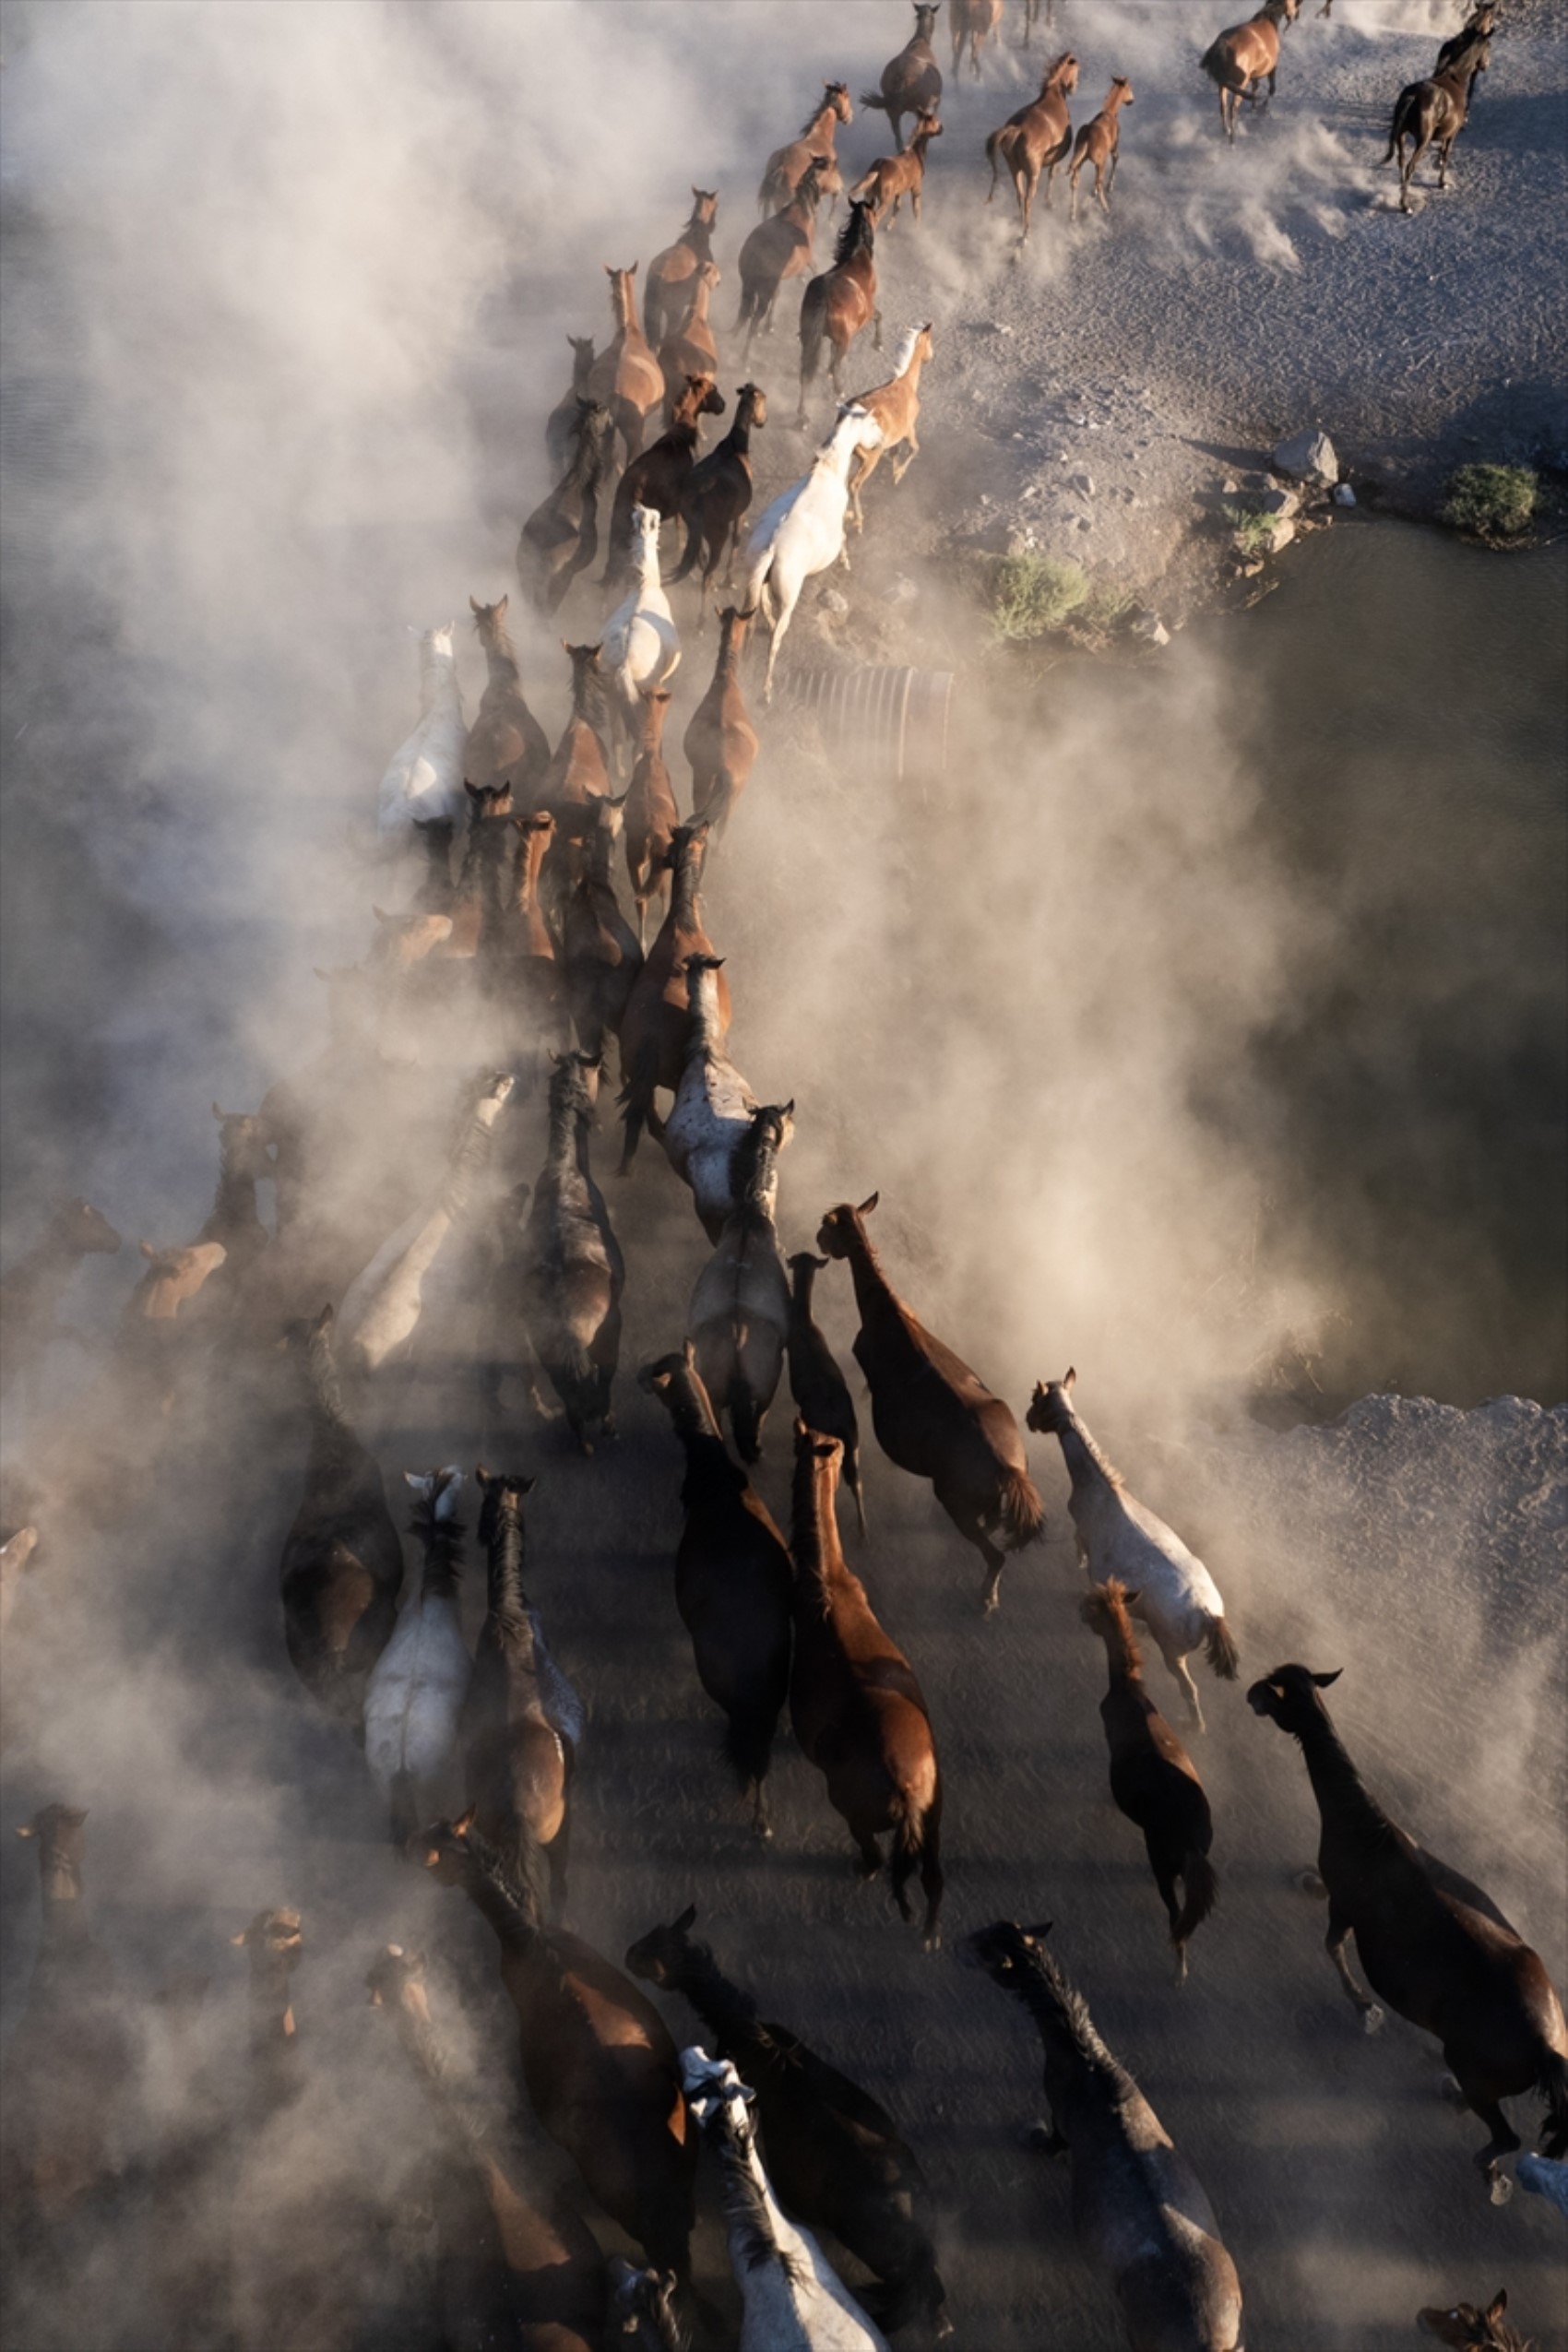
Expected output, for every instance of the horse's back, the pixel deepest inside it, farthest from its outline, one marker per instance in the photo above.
(1140, 2207)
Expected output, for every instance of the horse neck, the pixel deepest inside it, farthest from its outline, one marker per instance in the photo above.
(587, 462)
(758, 1170)
(746, 2194)
(508, 1600)
(501, 657)
(692, 1414)
(535, 845)
(233, 1203)
(626, 319)
(685, 897)
(738, 440)
(567, 1144)
(1343, 1799)
(698, 315)
(443, 1542)
(803, 1282)
(1082, 1455)
(813, 1529)
(1063, 2022)
(586, 694)
(698, 235)
(507, 1906)
(730, 641)
(469, 1160)
(823, 136)
(704, 1001)
(601, 857)
(874, 1293)
(325, 1392)
(488, 837)
(1120, 1646)
(721, 2005)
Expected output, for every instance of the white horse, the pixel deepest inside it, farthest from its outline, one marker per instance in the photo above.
(424, 777)
(802, 531)
(794, 2301)
(417, 1686)
(714, 1106)
(641, 647)
(1167, 1585)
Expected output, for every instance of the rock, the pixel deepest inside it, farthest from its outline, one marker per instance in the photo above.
(1083, 483)
(1229, 486)
(1308, 457)
(1343, 494)
(1085, 523)
(1149, 624)
(1020, 542)
(836, 605)
(1278, 501)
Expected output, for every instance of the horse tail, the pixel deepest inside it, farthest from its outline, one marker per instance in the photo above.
(636, 1101)
(1399, 126)
(1219, 1648)
(877, 103)
(1202, 1887)
(1020, 1513)
(745, 1417)
(1212, 63)
(721, 801)
(915, 1834)
(813, 320)
(576, 1381)
(992, 149)
(1554, 2088)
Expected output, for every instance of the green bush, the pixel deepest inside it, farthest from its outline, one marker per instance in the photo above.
(1033, 594)
(1492, 501)
(1254, 532)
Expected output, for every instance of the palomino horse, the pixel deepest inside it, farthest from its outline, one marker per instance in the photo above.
(1099, 143)
(857, 1708)
(425, 776)
(654, 1032)
(1245, 56)
(659, 474)
(931, 1416)
(839, 2160)
(1470, 2329)
(1153, 1780)
(896, 405)
(1037, 138)
(561, 424)
(689, 349)
(1436, 1948)
(414, 1698)
(911, 82)
(975, 22)
(570, 1272)
(716, 494)
(598, 2059)
(1139, 2210)
(840, 303)
(787, 166)
(720, 741)
(667, 285)
(740, 1307)
(625, 377)
(641, 648)
(779, 248)
(894, 177)
(792, 2294)
(560, 539)
(505, 742)
(1167, 1585)
(802, 531)
(820, 1390)
(714, 1108)
(1432, 114)
(733, 1586)
(651, 814)
(599, 949)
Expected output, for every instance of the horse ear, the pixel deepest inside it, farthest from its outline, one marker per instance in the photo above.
(27, 1829)
(501, 608)
(1037, 1933)
(146, 1249)
(379, 912)
(474, 604)
(634, 269)
(689, 1916)
(464, 1822)
(216, 1112)
(867, 1205)
(1069, 1380)
(1498, 2304)
(1322, 1680)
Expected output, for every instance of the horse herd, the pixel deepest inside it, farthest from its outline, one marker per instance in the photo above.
(514, 954)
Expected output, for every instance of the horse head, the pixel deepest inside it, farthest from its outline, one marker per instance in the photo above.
(713, 2086)
(838, 95)
(62, 1841)
(751, 405)
(838, 1230)
(702, 397)
(657, 1957)
(488, 617)
(1464, 2325)
(273, 1939)
(172, 1277)
(396, 1981)
(76, 1225)
(1289, 1696)
(812, 1446)
(446, 1851)
(486, 800)
(926, 12)
(705, 208)
(436, 1495)
(246, 1144)
(1004, 1951)
(1050, 1407)
(574, 1089)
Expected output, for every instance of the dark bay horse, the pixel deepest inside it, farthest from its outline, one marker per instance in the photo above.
(560, 539)
(1139, 2210)
(570, 1271)
(840, 302)
(650, 817)
(518, 1766)
(819, 1388)
(777, 249)
(1433, 1945)
(911, 82)
(718, 492)
(1432, 114)
(507, 743)
(561, 425)
(1241, 57)
(653, 1034)
(658, 475)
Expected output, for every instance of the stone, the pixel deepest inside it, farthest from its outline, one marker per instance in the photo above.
(1085, 523)
(1343, 494)
(1278, 501)
(1083, 483)
(1282, 532)
(1308, 457)
(833, 603)
(1149, 624)
(1229, 486)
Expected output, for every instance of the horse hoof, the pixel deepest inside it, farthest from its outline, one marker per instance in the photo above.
(1309, 1883)
(1501, 2189)
(1372, 2018)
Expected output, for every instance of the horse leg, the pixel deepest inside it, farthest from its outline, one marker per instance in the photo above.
(870, 1860)
(1177, 1665)
(912, 450)
(1503, 2140)
(876, 330)
(1165, 1878)
(1103, 190)
(1334, 1943)
(1073, 189)
(931, 1879)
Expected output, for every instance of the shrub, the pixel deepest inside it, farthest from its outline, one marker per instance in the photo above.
(1033, 594)
(1253, 532)
(1492, 501)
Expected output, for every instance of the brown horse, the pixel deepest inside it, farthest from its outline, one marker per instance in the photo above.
(653, 1034)
(626, 378)
(1037, 138)
(561, 425)
(1481, 20)
(857, 1708)
(780, 248)
(578, 775)
(1099, 143)
(721, 741)
(912, 82)
(651, 814)
(689, 349)
(518, 1765)
(659, 474)
(840, 302)
(507, 743)
(667, 285)
(600, 952)
(1432, 114)
(524, 970)
(820, 1390)
(1245, 56)
(600, 2069)
(816, 146)
(896, 405)
(245, 1160)
(560, 539)
(975, 22)
(931, 1416)
(894, 177)
(1434, 1946)
(1470, 2329)
(569, 1270)
(718, 493)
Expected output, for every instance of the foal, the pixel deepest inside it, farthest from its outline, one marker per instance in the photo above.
(1099, 143)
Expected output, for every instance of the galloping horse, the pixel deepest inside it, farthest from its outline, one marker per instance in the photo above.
(657, 476)
(720, 741)
(651, 814)
(840, 302)
(911, 82)
(777, 249)
(975, 22)
(716, 494)
(560, 539)
(656, 1023)
(626, 378)
(506, 741)
(1099, 143)
(894, 177)
(802, 531)
(896, 405)
(669, 274)
(561, 424)
(424, 777)
(740, 1307)
(641, 647)
(1433, 113)
(787, 166)
(1247, 55)
(1037, 138)
(689, 349)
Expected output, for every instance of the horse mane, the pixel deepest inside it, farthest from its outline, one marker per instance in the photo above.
(1113, 1596)
(856, 236)
(1044, 1989)
(906, 349)
(1054, 69)
(747, 2207)
(823, 106)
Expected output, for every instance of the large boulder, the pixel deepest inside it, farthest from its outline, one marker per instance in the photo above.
(1308, 457)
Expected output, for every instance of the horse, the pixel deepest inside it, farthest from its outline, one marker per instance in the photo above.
(840, 302)
(689, 349)
(600, 951)
(1432, 114)
(721, 741)
(975, 22)
(794, 2301)
(560, 539)
(716, 492)
(641, 645)
(507, 743)
(931, 1416)
(779, 248)
(1117, 1536)
(671, 273)
(597, 2060)
(561, 424)
(651, 815)
(653, 1034)
(819, 1389)
(1472, 2330)
(626, 378)
(911, 82)
(570, 1272)
(802, 531)
(733, 1585)
(1139, 2210)
(414, 1696)
(1481, 20)
(857, 1708)
(1099, 143)
(1037, 138)
(424, 774)
(577, 774)
(658, 477)
(524, 968)
(816, 146)
(1245, 56)
(714, 1108)
(1433, 1945)
(837, 2157)
(1153, 1780)
(740, 1305)
(893, 177)
(895, 406)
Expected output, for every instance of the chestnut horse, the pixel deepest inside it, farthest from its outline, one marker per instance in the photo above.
(667, 285)
(975, 22)
(516, 1762)
(505, 742)
(721, 741)
(625, 377)
(780, 248)
(1245, 56)
(895, 406)
(651, 814)
(913, 80)
(1037, 138)
(840, 302)
(894, 177)
(787, 166)
(1099, 143)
